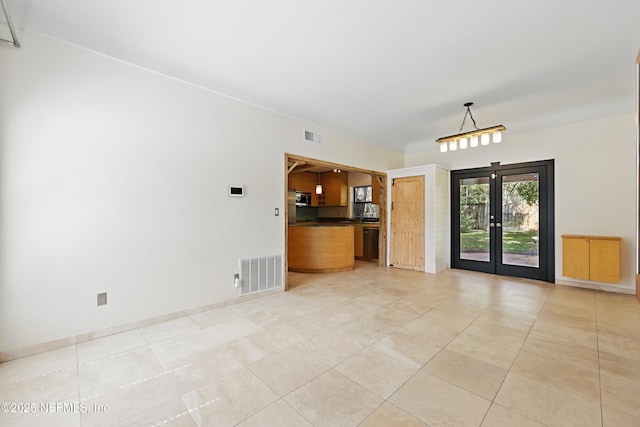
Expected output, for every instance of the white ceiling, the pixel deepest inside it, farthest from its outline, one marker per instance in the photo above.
(393, 72)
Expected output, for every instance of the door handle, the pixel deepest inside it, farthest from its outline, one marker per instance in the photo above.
(491, 224)
(498, 225)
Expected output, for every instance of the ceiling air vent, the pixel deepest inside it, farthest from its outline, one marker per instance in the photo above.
(312, 137)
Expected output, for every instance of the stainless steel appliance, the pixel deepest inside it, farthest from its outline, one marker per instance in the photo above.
(371, 243)
(303, 199)
(291, 206)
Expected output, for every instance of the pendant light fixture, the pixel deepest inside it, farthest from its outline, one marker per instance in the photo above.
(318, 185)
(14, 39)
(470, 139)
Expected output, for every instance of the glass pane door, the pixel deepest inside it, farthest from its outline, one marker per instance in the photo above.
(474, 219)
(521, 219)
(502, 220)
(473, 246)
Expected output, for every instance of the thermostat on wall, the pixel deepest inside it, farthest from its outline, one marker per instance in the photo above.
(236, 190)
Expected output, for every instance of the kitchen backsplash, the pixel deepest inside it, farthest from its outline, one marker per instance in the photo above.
(306, 213)
(333, 212)
(365, 210)
(310, 213)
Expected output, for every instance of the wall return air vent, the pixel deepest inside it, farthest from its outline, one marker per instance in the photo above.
(260, 274)
(312, 137)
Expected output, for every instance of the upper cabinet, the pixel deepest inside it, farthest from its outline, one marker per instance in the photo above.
(303, 181)
(375, 190)
(335, 186)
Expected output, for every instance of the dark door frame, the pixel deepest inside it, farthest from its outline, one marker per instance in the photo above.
(546, 271)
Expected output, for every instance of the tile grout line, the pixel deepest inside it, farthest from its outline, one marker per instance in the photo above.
(430, 359)
(595, 308)
(78, 377)
(493, 402)
(329, 368)
(248, 368)
(187, 412)
(332, 368)
(386, 400)
(548, 305)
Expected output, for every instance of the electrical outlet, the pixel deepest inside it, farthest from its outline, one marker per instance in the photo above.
(277, 212)
(102, 299)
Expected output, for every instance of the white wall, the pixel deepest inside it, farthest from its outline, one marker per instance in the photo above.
(595, 180)
(114, 179)
(440, 210)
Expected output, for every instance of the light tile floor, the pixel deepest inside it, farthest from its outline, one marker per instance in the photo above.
(372, 347)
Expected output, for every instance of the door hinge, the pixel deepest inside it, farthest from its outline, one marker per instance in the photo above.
(391, 205)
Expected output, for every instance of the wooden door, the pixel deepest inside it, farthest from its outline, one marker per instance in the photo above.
(407, 223)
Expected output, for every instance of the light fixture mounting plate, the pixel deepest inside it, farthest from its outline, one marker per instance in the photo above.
(468, 104)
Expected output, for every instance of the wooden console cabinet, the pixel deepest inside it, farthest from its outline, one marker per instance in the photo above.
(594, 258)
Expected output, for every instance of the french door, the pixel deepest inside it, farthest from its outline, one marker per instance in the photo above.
(502, 220)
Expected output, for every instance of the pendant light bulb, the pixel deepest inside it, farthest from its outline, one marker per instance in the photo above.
(484, 139)
(453, 145)
(473, 142)
(443, 147)
(463, 143)
(319, 189)
(497, 137)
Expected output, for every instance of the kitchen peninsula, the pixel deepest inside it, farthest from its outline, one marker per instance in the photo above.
(321, 248)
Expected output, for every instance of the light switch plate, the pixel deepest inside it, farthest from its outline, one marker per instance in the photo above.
(102, 298)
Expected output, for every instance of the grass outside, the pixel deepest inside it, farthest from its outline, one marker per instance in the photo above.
(513, 242)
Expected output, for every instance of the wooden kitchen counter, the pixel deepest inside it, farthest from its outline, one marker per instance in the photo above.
(321, 248)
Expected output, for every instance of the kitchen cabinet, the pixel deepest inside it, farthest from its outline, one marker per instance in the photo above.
(370, 242)
(320, 248)
(305, 181)
(375, 190)
(365, 241)
(302, 181)
(594, 258)
(358, 241)
(335, 189)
